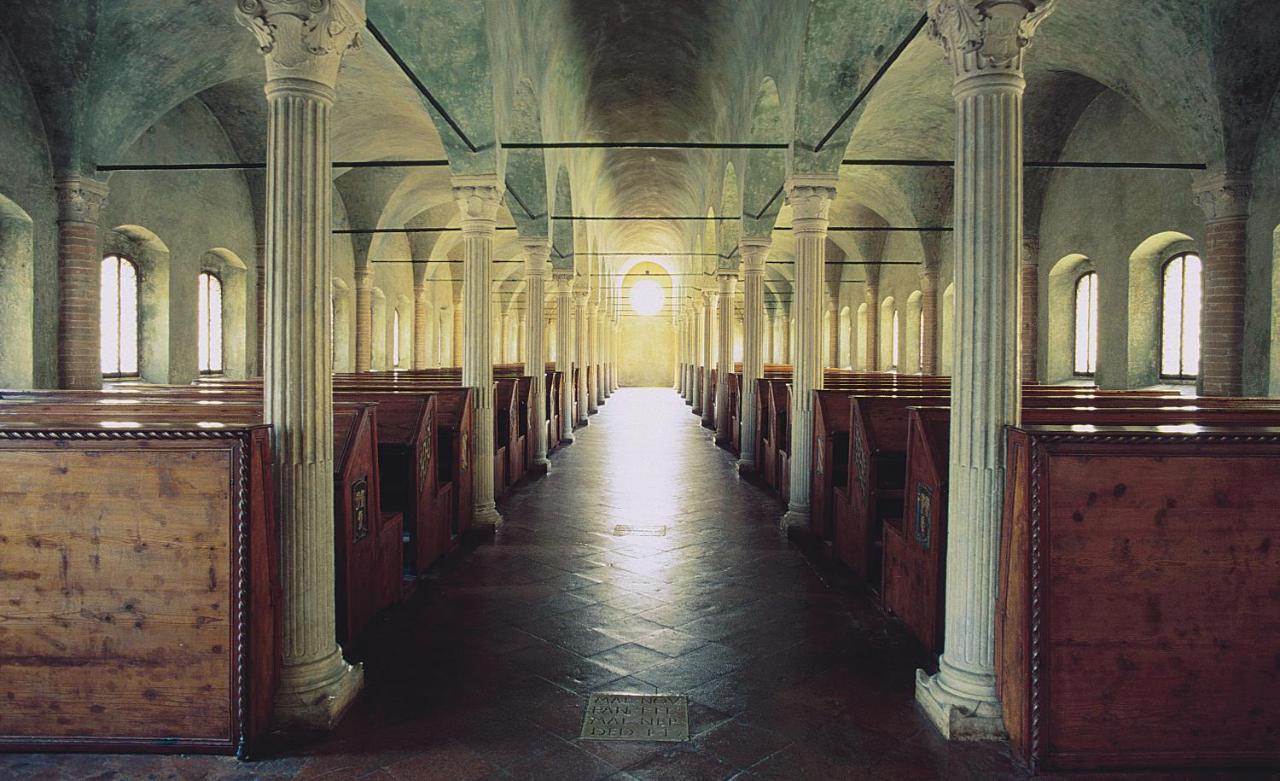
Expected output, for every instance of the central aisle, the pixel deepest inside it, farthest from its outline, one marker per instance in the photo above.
(788, 675)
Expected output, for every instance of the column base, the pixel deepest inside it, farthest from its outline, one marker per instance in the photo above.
(567, 439)
(305, 704)
(696, 409)
(540, 466)
(955, 716)
(746, 468)
(795, 517)
(486, 518)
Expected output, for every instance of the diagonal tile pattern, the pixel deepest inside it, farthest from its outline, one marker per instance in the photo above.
(789, 670)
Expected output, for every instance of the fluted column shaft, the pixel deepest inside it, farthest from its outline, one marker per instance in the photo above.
(536, 268)
(810, 199)
(754, 252)
(80, 201)
(455, 339)
(871, 335)
(564, 351)
(364, 318)
(929, 321)
(724, 356)
(708, 357)
(582, 355)
(593, 356)
(699, 312)
(1029, 285)
(985, 45)
(833, 335)
(1225, 200)
(478, 199)
(304, 48)
(786, 335)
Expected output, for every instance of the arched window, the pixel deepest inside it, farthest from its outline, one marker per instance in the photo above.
(896, 351)
(1180, 318)
(209, 327)
(395, 339)
(119, 319)
(1086, 328)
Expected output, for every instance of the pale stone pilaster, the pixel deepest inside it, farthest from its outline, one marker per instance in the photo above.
(80, 201)
(724, 355)
(1225, 200)
(364, 318)
(582, 355)
(304, 46)
(984, 42)
(709, 357)
(478, 199)
(564, 350)
(753, 251)
(810, 198)
(536, 268)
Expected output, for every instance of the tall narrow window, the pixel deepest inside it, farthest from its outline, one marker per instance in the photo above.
(1180, 318)
(395, 339)
(209, 328)
(119, 318)
(1086, 362)
(920, 337)
(897, 345)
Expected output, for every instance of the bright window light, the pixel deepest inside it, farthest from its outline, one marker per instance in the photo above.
(395, 339)
(647, 298)
(1086, 362)
(1180, 318)
(119, 317)
(895, 347)
(209, 327)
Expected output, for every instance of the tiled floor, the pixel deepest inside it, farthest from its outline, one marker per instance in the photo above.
(789, 671)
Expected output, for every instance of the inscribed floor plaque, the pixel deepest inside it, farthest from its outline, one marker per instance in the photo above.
(656, 717)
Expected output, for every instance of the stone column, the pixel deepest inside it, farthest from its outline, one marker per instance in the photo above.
(364, 318)
(708, 357)
(478, 199)
(1225, 200)
(786, 334)
(680, 356)
(564, 350)
(699, 314)
(456, 337)
(769, 321)
(304, 45)
(536, 267)
(1030, 296)
(810, 198)
(753, 251)
(420, 316)
(833, 336)
(80, 201)
(522, 338)
(593, 355)
(724, 355)
(984, 42)
(582, 354)
(871, 335)
(929, 320)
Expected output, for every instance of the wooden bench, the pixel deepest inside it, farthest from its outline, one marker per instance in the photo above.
(149, 601)
(1137, 621)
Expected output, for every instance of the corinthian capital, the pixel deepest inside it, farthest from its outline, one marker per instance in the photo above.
(984, 35)
(303, 39)
(810, 198)
(754, 251)
(80, 199)
(478, 199)
(1224, 196)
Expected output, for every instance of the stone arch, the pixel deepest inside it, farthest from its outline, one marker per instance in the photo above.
(17, 299)
(151, 257)
(342, 357)
(1061, 317)
(946, 331)
(911, 320)
(232, 272)
(1145, 265)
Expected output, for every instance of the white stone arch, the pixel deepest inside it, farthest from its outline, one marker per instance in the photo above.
(150, 256)
(343, 359)
(1060, 315)
(1143, 338)
(946, 331)
(17, 297)
(232, 272)
(911, 321)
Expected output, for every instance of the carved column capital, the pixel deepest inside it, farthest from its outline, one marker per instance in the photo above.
(986, 36)
(1030, 250)
(537, 256)
(810, 197)
(1224, 196)
(478, 199)
(928, 279)
(711, 297)
(754, 251)
(80, 199)
(304, 39)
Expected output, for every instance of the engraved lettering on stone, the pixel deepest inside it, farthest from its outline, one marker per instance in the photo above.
(643, 717)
